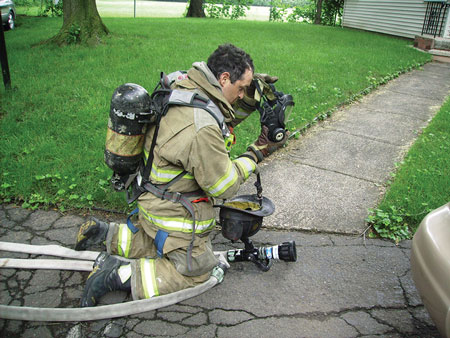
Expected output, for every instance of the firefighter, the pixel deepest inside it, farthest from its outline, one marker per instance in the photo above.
(169, 244)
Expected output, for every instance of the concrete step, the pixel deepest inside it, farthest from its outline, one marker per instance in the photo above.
(440, 55)
(439, 52)
(442, 43)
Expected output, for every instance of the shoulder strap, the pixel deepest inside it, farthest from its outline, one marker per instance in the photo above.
(176, 76)
(166, 98)
(192, 99)
(187, 98)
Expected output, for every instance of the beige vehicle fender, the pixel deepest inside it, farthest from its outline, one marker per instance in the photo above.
(430, 265)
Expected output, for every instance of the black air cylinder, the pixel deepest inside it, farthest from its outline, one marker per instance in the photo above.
(130, 107)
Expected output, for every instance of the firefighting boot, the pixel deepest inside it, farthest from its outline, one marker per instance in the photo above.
(109, 274)
(91, 233)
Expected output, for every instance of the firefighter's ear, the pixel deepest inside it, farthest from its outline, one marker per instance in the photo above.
(224, 78)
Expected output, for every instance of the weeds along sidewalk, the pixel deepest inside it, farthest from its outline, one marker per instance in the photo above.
(420, 183)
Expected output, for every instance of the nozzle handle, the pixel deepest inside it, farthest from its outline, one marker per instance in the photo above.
(259, 188)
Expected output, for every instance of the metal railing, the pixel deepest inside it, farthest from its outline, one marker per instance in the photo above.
(435, 16)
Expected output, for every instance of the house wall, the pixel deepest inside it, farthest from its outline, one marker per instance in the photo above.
(399, 17)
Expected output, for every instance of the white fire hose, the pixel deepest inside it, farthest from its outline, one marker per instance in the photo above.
(83, 261)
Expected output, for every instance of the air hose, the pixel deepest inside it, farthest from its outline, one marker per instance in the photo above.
(89, 313)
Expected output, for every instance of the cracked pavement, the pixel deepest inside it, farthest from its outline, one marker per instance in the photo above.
(342, 285)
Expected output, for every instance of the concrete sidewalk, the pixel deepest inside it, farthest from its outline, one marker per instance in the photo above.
(322, 185)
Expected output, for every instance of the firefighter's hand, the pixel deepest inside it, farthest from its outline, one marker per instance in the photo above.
(263, 147)
(264, 79)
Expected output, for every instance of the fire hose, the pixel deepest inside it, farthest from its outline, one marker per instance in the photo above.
(237, 223)
(83, 261)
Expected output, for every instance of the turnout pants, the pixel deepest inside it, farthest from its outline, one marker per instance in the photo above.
(152, 275)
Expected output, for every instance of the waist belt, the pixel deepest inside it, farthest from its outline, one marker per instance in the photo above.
(175, 197)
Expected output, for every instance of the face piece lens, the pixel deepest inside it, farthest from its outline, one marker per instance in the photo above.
(287, 114)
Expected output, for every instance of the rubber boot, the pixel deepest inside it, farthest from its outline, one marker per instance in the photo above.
(91, 233)
(104, 278)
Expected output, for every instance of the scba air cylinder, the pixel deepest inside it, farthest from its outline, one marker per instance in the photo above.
(128, 118)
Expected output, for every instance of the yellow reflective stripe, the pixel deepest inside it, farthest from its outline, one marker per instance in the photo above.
(246, 165)
(178, 223)
(164, 175)
(145, 156)
(124, 240)
(167, 175)
(148, 275)
(224, 182)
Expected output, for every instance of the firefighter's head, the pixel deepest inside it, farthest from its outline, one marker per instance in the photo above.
(233, 69)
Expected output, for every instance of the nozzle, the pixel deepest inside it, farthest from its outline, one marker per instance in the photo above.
(287, 251)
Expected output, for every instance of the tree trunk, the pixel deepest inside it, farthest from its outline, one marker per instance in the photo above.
(81, 24)
(318, 18)
(196, 9)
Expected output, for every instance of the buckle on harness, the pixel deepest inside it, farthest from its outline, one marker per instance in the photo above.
(176, 197)
(171, 196)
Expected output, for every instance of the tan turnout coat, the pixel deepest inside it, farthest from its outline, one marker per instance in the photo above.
(190, 139)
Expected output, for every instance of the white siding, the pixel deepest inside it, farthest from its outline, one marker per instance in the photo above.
(400, 17)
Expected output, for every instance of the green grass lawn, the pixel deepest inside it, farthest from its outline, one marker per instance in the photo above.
(421, 183)
(53, 125)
